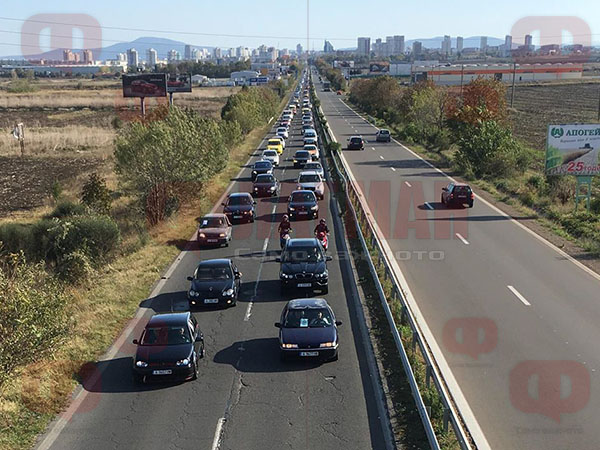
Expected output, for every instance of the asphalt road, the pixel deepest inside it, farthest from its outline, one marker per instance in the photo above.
(517, 322)
(244, 398)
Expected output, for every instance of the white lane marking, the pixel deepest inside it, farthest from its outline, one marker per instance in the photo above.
(217, 439)
(407, 183)
(373, 148)
(458, 235)
(518, 295)
(428, 205)
(251, 302)
(393, 169)
(381, 157)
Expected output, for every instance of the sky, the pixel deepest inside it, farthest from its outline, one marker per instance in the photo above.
(283, 23)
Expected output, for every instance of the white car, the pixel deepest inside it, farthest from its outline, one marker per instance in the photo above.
(283, 132)
(271, 155)
(314, 151)
(312, 181)
(315, 166)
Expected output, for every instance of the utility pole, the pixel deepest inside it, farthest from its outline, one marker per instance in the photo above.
(307, 29)
(599, 105)
(462, 75)
(512, 94)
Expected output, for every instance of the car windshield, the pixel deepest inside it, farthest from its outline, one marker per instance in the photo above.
(281, 130)
(462, 189)
(166, 335)
(384, 132)
(265, 179)
(245, 200)
(308, 318)
(313, 166)
(262, 165)
(301, 255)
(312, 178)
(302, 154)
(270, 153)
(356, 140)
(212, 222)
(274, 142)
(212, 273)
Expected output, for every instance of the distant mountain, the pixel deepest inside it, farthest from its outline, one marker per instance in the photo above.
(161, 45)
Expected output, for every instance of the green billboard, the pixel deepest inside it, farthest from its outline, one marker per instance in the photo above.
(573, 149)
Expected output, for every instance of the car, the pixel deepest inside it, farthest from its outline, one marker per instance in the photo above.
(265, 185)
(383, 135)
(145, 87)
(308, 121)
(283, 132)
(313, 150)
(356, 143)
(281, 139)
(168, 349)
(306, 127)
(305, 110)
(311, 181)
(272, 156)
(303, 204)
(301, 157)
(293, 108)
(311, 141)
(458, 194)
(239, 207)
(316, 167)
(310, 132)
(304, 265)
(287, 112)
(216, 282)
(308, 329)
(287, 118)
(285, 123)
(214, 229)
(275, 144)
(260, 167)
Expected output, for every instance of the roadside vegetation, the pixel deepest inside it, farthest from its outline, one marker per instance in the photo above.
(474, 135)
(67, 275)
(334, 76)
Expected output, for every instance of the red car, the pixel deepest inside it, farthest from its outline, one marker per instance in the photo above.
(214, 229)
(143, 87)
(458, 194)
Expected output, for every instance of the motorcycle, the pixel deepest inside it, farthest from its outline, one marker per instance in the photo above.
(322, 236)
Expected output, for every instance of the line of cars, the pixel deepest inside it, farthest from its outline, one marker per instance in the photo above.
(172, 344)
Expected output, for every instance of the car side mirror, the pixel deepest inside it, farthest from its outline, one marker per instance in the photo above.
(338, 322)
(278, 259)
(190, 278)
(329, 258)
(277, 325)
(445, 189)
(136, 342)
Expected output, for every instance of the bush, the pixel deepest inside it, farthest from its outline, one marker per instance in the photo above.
(67, 209)
(96, 195)
(33, 314)
(595, 205)
(537, 182)
(21, 87)
(250, 108)
(74, 267)
(561, 187)
(528, 198)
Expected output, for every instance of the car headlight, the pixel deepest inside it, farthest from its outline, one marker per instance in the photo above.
(289, 345)
(327, 344)
(295, 160)
(222, 235)
(292, 209)
(321, 275)
(194, 293)
(183, 362)
(228, 292)
(141, 364)
(286, 276)
(201, 235)
(272, 188)
(314, 208)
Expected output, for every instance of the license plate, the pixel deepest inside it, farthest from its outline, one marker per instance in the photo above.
(300, 285)
(237, 217)
(303, 212)
(162, 372)
(309, 353)
(211, 300)
(212, 240)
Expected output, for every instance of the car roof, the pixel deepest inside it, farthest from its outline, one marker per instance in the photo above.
(264, 161)
(264, 175)
(461, 185)
(384, 129)
(179, 318)
(308, 172)
(214, 216)
(301, 151)
(303, 303)
(239, 194)
(302, 242)
(222, 262)
(352, 137)
(314, 163)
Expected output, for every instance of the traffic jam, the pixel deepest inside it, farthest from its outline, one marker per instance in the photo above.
(171, 344)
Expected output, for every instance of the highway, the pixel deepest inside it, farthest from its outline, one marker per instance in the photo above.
(244, 398)
(516, 321)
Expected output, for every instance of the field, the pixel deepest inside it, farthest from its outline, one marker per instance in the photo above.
(69, 133)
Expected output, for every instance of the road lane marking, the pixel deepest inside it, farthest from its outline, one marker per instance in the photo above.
(217, 439)
(407, 183)
(373, 148)
(393, 169)
(518, 295)
(458, 235)
(381, 157)
(428, 205)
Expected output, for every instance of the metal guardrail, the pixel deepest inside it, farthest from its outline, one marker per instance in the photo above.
(362, 221)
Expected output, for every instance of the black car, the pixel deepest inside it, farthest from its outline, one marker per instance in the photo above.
(308, 329)
(303, 204)
(265, 185)
(458, 194)
(383, 135)
(304, 265)
(239, 207)
(170, 348)
(215, 282)
(261, 167)
(301, 157)
(356, 143)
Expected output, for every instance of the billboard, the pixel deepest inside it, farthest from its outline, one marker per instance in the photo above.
(179, 82)
(145, 85)
(379, 67)
(573, 149)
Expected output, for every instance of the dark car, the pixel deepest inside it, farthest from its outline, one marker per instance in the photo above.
(304, 265)
(145, 87)
(303, 204)
(240, 207)
(261, 167)
(458, 194)
(383, 135)
(356, 143)
(215, 282)
(301, 157)
(169, 349)
(265, 185)
(308, 329)
(214, 229)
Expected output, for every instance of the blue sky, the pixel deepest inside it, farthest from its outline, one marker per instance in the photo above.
(336, 20)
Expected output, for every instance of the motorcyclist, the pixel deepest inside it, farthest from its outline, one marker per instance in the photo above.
(285, 227)
(321, 227)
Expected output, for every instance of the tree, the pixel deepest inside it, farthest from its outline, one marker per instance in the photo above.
(483, 99)
(96, 195)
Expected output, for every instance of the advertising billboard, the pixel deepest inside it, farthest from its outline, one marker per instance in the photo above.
(179, 82)
(573, 149)
(379, 67)
(145, 85)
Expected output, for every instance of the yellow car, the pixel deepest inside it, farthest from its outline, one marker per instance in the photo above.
(275, 144)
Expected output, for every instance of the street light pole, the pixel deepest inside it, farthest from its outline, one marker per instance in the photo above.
(512, 94)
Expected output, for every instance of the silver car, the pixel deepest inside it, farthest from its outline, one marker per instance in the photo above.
(312, 181)
(315, 167)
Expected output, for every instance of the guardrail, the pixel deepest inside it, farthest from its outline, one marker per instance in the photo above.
(366, 233)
